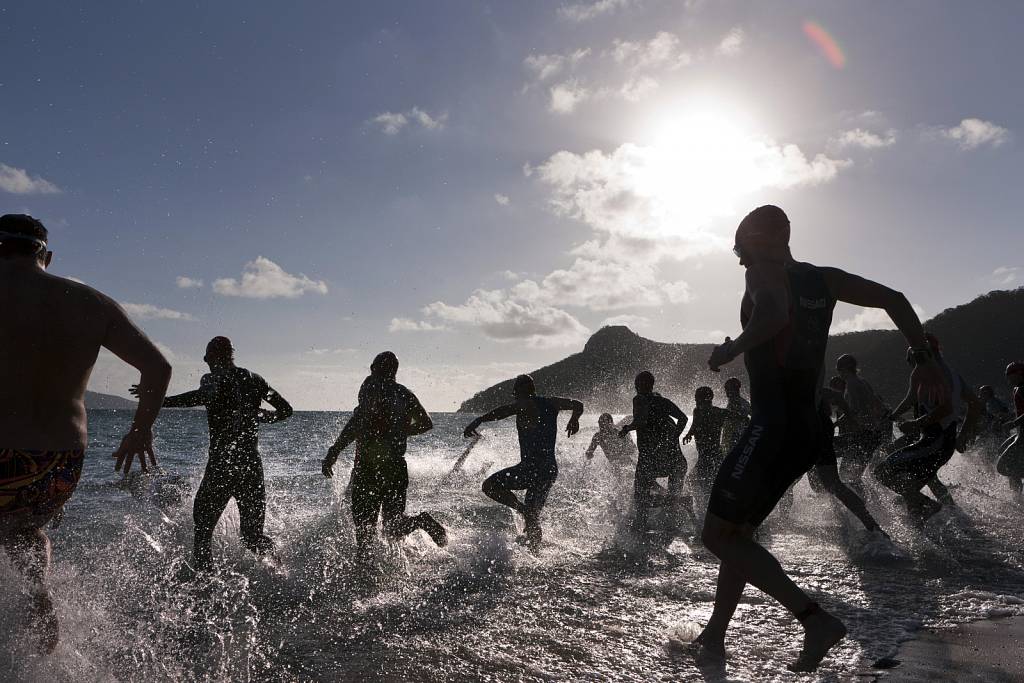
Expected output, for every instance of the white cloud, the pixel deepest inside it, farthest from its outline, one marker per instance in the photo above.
(584, 11)
(502, 316)
(661, 51)
(502, 199)
(545, 66)
(391, 123)
(264, 279)
(732, 44)
(636, 89)
(566, 96)
(344, 351)
(973, 133)
(18, 181)
(868, 319)
(151, 312)
(1006, 276)
(865, 139)
(604, 283)
(185, 282)
(407, 325)
(627, 319)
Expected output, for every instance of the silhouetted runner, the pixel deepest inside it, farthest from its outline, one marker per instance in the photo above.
(52, 330)
(739, 418)
(869, 415)
(233, 398)
(706, 431)
(619, 450)
(786, 313)
(537, 424)
(658, 423)
(911, 468)
(386, 416)
(1011, 458)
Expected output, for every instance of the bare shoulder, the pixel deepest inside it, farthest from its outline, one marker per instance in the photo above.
(83, 295)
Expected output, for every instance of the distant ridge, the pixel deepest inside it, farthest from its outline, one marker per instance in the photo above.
(979, 339)
(97, 401)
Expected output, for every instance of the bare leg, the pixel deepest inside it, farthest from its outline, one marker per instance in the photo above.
(727, 597)
(503, 496)
(29, 550)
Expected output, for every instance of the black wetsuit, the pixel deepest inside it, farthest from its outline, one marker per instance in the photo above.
(784, 437)
(537, 469)
(380, 476)
(657, 438)
(233, 399)
(737, 421)
(707, 436)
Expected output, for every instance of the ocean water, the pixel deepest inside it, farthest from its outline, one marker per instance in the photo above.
(591, 606)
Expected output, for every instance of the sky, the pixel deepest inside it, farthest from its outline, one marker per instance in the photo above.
(480, 186)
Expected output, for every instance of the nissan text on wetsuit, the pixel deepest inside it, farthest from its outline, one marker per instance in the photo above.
(537, 425)
(786, 312)
(1011, 458)
(233, 398)
(53, 329)
(386, 416)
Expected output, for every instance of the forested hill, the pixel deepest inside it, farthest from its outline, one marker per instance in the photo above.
(979, 339)
(97, 401)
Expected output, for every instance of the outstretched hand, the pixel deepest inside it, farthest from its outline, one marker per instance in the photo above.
(573, 426)
(137, 443)
(722, 355)
(687, 439)
(470, 431)
(134, 390)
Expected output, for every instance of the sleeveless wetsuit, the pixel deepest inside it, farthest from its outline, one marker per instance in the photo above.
(784, 437)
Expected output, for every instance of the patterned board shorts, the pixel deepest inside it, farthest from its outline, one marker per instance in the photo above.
(35, 484)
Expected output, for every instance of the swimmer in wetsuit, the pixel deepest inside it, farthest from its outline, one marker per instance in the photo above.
(537, 424)
(386, 416)
(1011, 457)
(739, 418)
(706, 431)
(619, 451)
(786, 312)
(869, 415)
(911, 468)
(233, 398)
(53, 328)
(658, 423)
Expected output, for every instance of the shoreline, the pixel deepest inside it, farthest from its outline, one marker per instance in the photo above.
(985, 650)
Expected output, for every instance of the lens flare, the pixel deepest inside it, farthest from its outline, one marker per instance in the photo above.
(825, 43)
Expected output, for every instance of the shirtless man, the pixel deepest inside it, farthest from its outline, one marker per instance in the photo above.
(786, 312)
(53, 331)
(537, 424)
(620, 451)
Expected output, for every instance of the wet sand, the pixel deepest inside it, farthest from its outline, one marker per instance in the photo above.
(990, 650)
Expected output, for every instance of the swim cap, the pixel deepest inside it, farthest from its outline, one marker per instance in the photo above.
(23, 229)
(733, 383)
(1015, 368)
(846, 362)
(704, 395)
(524, 384)
(385, 364)
(605, 419)
(765, 226)
(219, 348)
(644, 381)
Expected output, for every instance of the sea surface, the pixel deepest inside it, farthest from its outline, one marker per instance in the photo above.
(594, 605)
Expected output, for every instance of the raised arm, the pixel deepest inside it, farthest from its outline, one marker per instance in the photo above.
(497, 414)
(282, 409)
(190, 399)
(130, 344)
(419, 418)
(594, 443)
(576, 407)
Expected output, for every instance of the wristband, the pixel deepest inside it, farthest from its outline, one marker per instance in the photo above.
(921, 356)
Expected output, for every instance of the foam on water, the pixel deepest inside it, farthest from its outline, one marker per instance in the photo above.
(594, 605)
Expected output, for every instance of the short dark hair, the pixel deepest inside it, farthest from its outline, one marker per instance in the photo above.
(22, 235)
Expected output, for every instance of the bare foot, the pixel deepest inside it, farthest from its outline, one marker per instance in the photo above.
(705, 648)
(47, 627)
(821, 632)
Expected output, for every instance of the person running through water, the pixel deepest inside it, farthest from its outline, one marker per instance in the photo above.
(619, 451)
(909, 469)
(537, 424)
(994, 414)
(1011, 458)
(739, 418)
(53, 329)
(786, 312)
(825, 474)
(658, 423)
(706, 430)
(233, 398)
(386, 416)
(869, 416)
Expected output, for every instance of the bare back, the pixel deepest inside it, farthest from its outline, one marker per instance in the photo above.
(53, 329)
